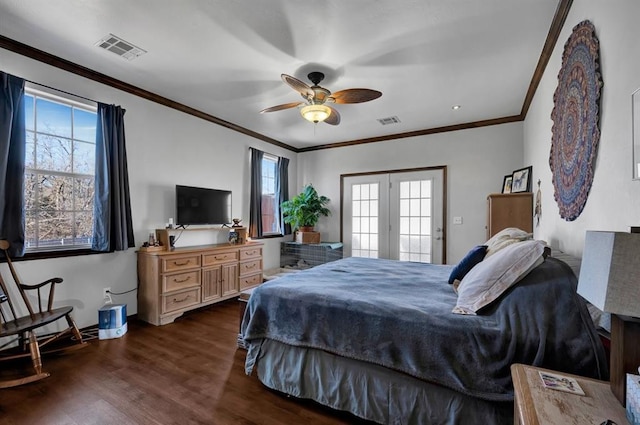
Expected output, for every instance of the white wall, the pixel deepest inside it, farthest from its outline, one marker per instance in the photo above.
(614, 200)
(164, 147)
(476, 160)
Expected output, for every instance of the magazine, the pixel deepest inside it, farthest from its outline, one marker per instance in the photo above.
(560, 383)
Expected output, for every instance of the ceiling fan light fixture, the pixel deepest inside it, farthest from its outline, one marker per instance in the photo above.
(315, 113)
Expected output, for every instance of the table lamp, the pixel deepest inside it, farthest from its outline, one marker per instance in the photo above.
(610, 280)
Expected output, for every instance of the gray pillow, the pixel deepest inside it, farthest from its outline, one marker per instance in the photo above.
(490, 278)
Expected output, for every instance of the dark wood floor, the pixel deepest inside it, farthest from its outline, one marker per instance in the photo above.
(188, 372)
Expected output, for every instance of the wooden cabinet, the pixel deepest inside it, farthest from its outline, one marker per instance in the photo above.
(509, 210)
(172, 282)
(537, 405)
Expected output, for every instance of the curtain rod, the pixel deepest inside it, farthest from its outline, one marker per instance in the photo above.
(61, 91)
(268, 153)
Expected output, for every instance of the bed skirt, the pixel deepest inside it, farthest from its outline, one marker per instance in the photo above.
(370, 391)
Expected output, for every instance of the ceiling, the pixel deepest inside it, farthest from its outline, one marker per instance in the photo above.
(223, 58)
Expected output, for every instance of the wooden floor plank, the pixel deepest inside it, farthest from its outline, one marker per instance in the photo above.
(188, 372)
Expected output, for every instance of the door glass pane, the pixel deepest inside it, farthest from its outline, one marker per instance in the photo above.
(415, 220)
(364, 237)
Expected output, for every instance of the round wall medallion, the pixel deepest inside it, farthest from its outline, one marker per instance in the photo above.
(575, 115)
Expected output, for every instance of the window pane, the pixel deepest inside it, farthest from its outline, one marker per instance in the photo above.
(373, 191)
(415, 207)
(84, 158)
(84, 228)
(355, 205)
(28, 112)
(53, 118)
(415, 189)
(84, 125)
(425, 207)
(30, 151)
(55, 228)
(426, 188)
(55, 193)
(53, 153)
(404, 207)
(30, 183)
(373, 208)
(355, 192)
(364, 191)
(404, 189)
(84, 194)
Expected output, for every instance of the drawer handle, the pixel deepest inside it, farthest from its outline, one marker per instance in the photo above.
(249, 266)
(184, 263)
(183, 280)
(177, 301)
(249, 253)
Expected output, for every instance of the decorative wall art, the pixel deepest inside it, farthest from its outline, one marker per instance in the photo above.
(575, 115)
(521, 180)
(537, 210)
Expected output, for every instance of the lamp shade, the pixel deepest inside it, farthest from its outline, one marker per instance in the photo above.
(610, 272)
(315, 113)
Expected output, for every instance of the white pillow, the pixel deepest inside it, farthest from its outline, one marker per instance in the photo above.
(490, 278)
(504, 238)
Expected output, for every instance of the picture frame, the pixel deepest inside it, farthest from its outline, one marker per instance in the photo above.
(521, 180)
(506, 183)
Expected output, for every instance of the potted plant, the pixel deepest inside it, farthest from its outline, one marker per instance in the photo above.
(303, 210)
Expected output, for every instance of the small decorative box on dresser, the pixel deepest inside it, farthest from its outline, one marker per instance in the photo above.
(175, 281)
(537, 405)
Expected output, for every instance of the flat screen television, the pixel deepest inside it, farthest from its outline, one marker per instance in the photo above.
(199, 205)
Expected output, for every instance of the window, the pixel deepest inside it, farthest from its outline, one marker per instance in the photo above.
(270, 207)
(59, 172)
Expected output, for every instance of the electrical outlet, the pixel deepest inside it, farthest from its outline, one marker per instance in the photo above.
(106, 295)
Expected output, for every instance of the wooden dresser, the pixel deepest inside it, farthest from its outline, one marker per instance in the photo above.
(175, 281)
(509, 210)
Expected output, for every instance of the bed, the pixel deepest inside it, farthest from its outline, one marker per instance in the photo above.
(378, 338)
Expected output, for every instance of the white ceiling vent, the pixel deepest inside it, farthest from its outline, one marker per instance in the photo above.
(389, 120)
(120, 47)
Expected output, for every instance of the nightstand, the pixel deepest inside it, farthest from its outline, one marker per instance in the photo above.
(537, 405)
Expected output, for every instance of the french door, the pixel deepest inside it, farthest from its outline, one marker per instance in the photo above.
(396, 215)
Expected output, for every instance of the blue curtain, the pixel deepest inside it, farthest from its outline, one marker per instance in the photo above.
(12, 153)
(112, 224)
(255, 202)
(282, 191)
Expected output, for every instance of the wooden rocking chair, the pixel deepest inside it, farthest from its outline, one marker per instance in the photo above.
(29, 345)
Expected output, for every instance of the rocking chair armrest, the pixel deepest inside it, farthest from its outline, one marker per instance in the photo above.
(53, 280)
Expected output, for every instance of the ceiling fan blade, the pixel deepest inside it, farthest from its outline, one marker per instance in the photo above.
(334, 118)
(355, 95)
(281, 107)
(299, 86)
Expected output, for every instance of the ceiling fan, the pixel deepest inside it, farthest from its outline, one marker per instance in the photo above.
(315, 108)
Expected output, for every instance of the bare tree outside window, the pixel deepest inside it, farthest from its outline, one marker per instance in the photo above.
(59, 173)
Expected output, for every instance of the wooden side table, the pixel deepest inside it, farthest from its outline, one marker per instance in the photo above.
(537, 405)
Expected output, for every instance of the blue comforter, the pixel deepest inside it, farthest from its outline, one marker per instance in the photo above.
(398, 315)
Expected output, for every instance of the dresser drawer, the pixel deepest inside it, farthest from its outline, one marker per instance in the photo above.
(249, 281)
(173, 282)
(180, 263)
(180, 300)
(250, 267)
(248, 253)
(219, 257)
